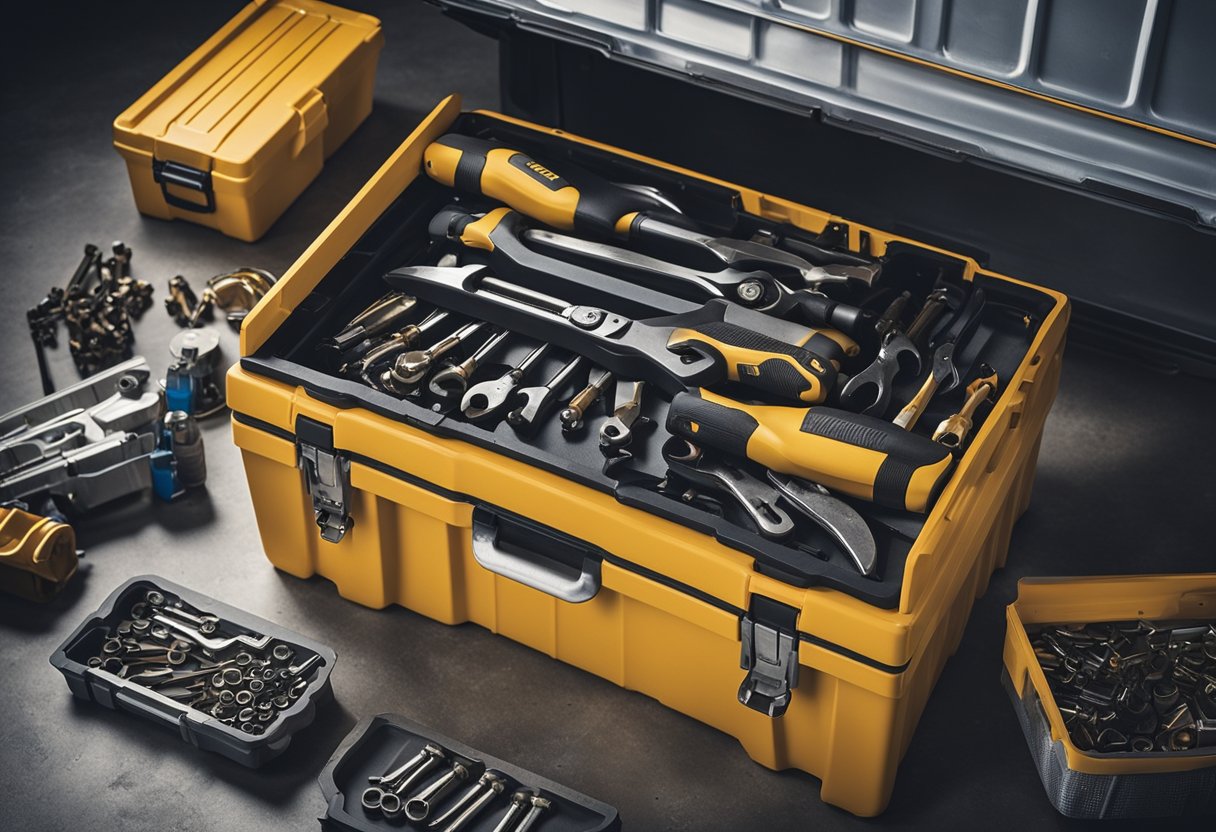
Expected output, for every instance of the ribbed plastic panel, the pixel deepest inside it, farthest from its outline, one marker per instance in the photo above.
(1080, 795)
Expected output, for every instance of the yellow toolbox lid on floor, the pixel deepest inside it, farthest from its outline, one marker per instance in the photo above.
(256, 107)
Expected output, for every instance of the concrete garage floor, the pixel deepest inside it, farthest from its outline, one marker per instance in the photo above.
(1124, 486)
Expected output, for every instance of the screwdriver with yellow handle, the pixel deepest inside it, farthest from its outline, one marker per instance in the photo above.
(852, 453)
(712, 342)
(578, 200)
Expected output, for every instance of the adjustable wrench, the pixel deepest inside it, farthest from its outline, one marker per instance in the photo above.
(512, 248)
(581, 201)
(537, 402)
(716, 342)
(758, 499)
(482, 401)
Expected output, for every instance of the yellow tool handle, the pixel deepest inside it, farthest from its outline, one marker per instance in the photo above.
(911, 412)
(848, 452)
(592, 205)
(785, 371)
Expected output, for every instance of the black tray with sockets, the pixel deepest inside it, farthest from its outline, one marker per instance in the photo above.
(380, 743)
(809, 557)
(196, 727)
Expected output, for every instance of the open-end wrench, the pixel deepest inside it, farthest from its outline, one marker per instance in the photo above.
(717, 341)
(485, 399)
(515, 250)
(575, 411)
(896, 345)
(538, 402)
(453, 380)
(617, 432)
(211, 644)
(758, 499)
(836, 517)
(943, 374)
(411, 367)
(398, 342)
(465, 807)
(577, 200)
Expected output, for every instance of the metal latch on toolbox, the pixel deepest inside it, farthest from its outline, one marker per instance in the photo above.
(769, 637)
(326, 476)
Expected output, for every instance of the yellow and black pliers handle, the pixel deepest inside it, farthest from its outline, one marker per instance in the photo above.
(574, 200)
(851, 453)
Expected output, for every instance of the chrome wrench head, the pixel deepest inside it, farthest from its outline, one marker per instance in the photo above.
(488, 786)
(881, 373)
(836, 517)
(484, 400)
(756, 498)
(536, 402)
(520, 801)
(617, 432)
(454, 379)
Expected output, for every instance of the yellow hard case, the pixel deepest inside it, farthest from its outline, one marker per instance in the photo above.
(864, 673)
(239, 129)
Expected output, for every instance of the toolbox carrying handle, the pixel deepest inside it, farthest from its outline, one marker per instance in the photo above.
(184, 176)
(548, 564)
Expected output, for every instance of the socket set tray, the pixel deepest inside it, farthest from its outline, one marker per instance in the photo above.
(228, 681)
(388, 743)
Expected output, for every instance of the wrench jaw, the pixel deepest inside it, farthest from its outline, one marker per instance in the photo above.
(757, 499)
(881, 375)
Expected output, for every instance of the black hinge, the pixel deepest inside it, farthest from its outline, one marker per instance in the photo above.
(184, 176)
(769, 635)
(326, 476)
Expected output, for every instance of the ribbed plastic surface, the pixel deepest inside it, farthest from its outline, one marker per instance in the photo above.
(1081, 795)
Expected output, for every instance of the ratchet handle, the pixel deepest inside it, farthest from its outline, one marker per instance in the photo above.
(854, 454)
(758, 361)
(572, 200)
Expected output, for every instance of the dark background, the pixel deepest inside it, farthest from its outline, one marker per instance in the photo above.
(1124, 486)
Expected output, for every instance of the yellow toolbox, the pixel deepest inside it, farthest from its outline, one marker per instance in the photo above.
(1094, 783)
(462, 523)
(239, 129)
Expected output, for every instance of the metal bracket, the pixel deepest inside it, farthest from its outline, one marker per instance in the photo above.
(327, 478)
(770, 657)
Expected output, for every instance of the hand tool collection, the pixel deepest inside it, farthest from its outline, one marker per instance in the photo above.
(1132, 686)
(403, 793)
(767, 380)
(243, 679)
(236, 293)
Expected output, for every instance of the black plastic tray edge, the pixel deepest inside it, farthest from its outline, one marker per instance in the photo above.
(329, 788)
(245, 749)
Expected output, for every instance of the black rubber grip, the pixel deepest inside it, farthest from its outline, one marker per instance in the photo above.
(906, 453)
(710, 424)
(773, 376)
(820, 310)
(449, 223)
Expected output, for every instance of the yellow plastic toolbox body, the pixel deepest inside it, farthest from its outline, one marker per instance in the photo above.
(1093, 600)
(240, 128)
(663, 607)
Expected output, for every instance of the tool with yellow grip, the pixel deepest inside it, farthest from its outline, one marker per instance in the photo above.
(711, 343)
(847, 452)
(578, 200)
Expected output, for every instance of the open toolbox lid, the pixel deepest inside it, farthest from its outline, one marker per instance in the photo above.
(237, 99)
(1086, 92)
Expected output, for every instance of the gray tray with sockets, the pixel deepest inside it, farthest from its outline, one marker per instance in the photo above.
(197, 726)
(381, 744)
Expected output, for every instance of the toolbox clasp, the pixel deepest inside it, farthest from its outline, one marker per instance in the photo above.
(769, 636)
(184, 176)
(326, 476)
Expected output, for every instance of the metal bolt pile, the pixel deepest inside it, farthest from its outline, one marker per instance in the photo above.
(195, 658)
(98, 305)
(1132, 686)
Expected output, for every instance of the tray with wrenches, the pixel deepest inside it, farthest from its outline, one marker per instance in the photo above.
(390, 771)
(228, 681)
